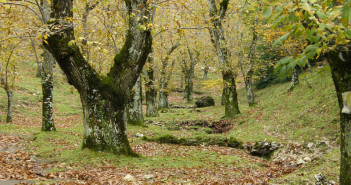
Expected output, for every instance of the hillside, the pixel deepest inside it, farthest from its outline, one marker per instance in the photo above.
(304, 123)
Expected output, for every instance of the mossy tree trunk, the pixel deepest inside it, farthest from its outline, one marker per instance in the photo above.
(340, 64)
(248, 77)
(217, 38)
(150, 89)
(135, 110)
(9, 106)
(104, 98)
(294, 79)
(47, 84)
(46, 74)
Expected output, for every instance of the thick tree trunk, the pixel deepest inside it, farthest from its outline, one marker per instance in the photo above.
(231, 96)
(46, 74)
(150, 92)
(104, 98)
(163, 97)
(189, 88)
(47, 83)
(135, 112)
(340, 64)
(9, 106)
(217, 38)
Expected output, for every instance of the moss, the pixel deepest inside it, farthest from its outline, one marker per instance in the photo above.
(199, 140)
(123, 55)
(234, 143)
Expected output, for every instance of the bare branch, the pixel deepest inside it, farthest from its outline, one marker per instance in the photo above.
(181, 28)
(31, 9)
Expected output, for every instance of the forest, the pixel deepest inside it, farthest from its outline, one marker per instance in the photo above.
(175, 92)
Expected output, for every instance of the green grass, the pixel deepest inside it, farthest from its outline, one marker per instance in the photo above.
(302, 116)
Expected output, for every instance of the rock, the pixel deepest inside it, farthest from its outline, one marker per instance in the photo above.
(33, 158)
(151, 176)
(319, 178)
(139, 135)
(129, 178)
(263, 149)
(205, 101)
(307, 159)
(300, 161)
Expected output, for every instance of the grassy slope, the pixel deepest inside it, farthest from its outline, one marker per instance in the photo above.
(305, 115)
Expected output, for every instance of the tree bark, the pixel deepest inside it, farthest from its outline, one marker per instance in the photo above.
(164, 79)
(206, 68)
(135, 112)
(150, 92)
(47, 83)
(294, 79)
(9, 106)
(217, 38)
(340, 64)
(248, 76)
(188, 69)
(104, 98)
(46, 74)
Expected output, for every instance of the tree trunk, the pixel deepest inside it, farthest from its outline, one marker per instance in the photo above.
(205, 72)
(164, 79)
(248, 76)
(294, 80)
(189, 88)
(9, 106)
(217, 38)
(231, 96)
(223, 97)
(250, 94)
(340, 64)
(150, 92)
(47, 84)
(104, 98)
(163, 97)
(135, 112)
(39, 68)
(189, 69)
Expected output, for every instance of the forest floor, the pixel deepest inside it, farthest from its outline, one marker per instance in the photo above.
(304, 123)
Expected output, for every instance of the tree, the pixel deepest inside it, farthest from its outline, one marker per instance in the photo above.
(326, 26)
(166, 76)
(7, 79)
(217, 38)
(135, 111)
(104, 98)
(188, 69)
(47, 80)
(150, 88)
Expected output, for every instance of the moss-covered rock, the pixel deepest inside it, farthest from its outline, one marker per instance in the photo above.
(205, 101)
(196, 141)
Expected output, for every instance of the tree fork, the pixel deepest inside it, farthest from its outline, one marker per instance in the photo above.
(104, 99)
